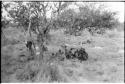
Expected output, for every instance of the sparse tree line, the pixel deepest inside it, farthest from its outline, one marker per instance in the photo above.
(89, 17)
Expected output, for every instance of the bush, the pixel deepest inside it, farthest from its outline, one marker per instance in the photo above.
(88, 17)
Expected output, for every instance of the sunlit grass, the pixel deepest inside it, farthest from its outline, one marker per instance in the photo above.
(105, 63)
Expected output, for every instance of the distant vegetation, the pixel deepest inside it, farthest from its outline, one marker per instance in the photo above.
(90, 16)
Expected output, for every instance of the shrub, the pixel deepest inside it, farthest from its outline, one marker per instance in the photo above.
(88, 17)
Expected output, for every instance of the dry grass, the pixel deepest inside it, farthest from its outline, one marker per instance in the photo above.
(105, 63)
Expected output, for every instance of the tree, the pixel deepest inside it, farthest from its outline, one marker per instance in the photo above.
(57, 9)
(67, 19)
(32, 16)
(91, 16)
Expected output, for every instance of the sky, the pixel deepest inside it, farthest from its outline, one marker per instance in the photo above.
(117, 6)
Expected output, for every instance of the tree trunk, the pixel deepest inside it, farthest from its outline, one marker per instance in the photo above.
(29, 31)
(29, 38)
(40, 43)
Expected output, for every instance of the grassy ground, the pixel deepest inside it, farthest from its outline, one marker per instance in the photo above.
(106, 57)
(105, 63)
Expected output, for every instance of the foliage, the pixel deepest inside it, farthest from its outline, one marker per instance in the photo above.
(89, 16)
(5, 22)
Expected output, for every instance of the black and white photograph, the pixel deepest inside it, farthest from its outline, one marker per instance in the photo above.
(62, 41)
